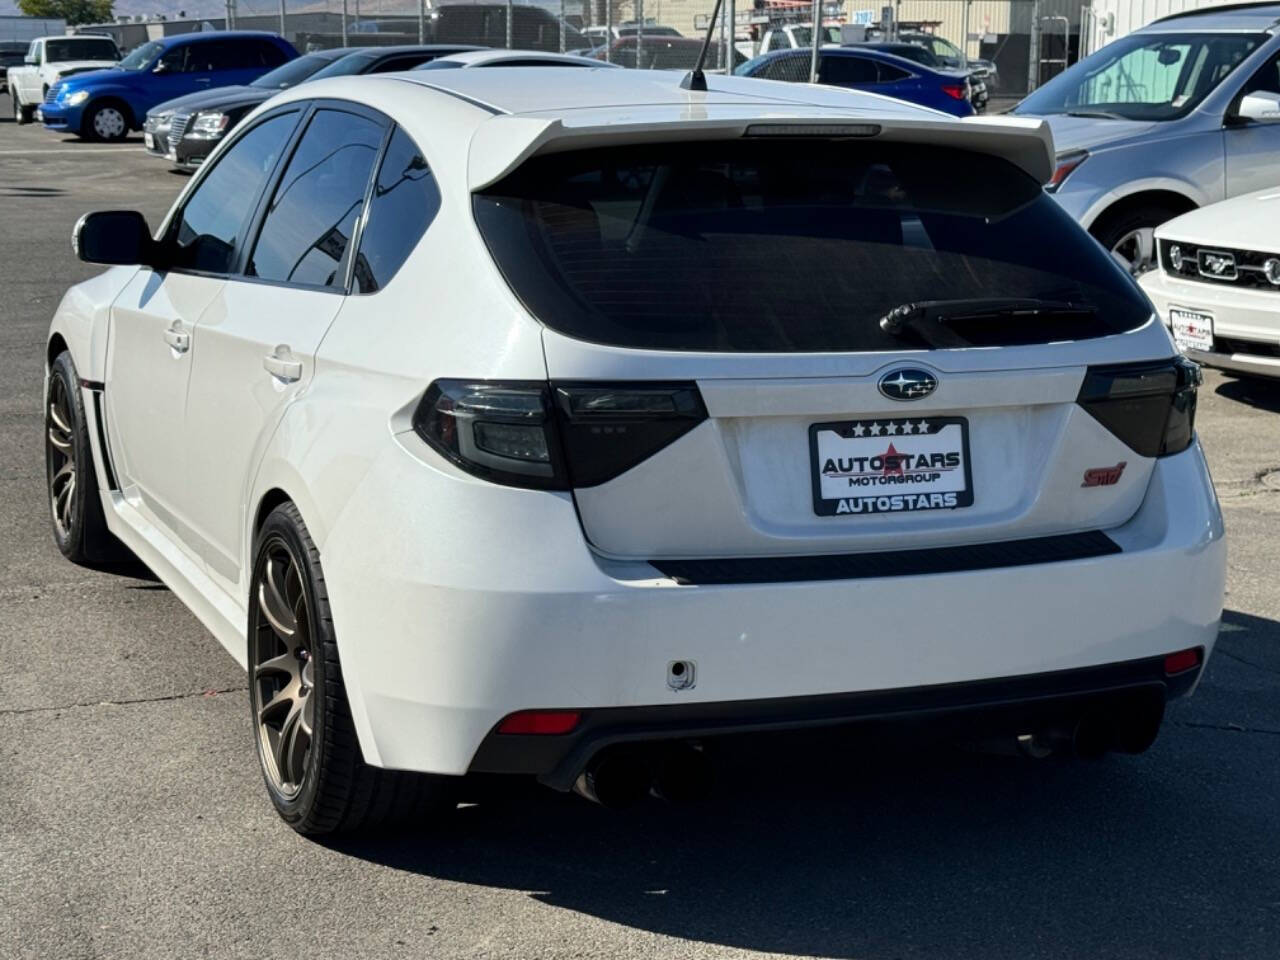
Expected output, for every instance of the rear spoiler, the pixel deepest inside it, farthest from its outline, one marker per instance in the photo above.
(503, 143)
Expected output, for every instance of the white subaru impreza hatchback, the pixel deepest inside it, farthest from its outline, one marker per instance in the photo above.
(560, 422)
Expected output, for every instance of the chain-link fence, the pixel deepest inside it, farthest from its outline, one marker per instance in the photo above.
(1017, 44)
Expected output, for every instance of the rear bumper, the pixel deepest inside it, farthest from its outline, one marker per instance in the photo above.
(979, 708)
(448, 619)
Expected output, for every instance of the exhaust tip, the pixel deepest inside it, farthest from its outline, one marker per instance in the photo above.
(614, 778)
(684, 775)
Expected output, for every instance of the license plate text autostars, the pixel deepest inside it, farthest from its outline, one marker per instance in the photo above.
(890, 465)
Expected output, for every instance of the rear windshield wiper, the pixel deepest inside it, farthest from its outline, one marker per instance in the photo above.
(929, 319)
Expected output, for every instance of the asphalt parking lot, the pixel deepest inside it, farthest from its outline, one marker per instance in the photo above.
(133, 820)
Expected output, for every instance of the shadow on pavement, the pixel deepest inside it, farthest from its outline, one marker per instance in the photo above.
(878, 854)
(1254, 391)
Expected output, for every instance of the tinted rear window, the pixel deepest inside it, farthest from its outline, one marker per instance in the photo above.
(80, 48)
(776, 246)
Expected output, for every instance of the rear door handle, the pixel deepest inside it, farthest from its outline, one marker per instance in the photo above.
(177, 338)
(280, 363)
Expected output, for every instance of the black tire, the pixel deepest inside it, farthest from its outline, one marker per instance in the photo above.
(336, 790)
(79, 527)
(1113, 231)
(21, 114)
(95, 127)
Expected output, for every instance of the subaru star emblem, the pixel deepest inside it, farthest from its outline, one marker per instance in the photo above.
(908, 384)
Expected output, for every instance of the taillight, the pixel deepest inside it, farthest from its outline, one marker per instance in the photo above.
(1067, 162)
(609, 428)
(955, 91)
(554, 436)
(1150, 406)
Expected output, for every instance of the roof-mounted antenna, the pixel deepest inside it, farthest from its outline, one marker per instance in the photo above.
(695, 79)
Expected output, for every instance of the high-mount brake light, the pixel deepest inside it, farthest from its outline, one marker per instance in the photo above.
(554, 436)
(1150, 406)
(825, 130)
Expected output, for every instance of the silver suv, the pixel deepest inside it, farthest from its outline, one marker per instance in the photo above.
(1182, 113)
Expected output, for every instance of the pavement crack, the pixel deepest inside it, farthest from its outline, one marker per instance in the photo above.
(18, 711)
(1248, 663)
(1224, 727)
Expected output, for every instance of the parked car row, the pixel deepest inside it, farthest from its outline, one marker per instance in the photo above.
(1153, 132)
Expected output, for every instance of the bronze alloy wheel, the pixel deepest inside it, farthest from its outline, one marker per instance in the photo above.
(60, 449)
(282, 668)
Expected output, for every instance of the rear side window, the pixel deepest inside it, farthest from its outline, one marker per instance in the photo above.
(308, 225)
(777, 246)
(792, 68)
(208, 233)
(405, 201)
(846, 70)
(891, 74)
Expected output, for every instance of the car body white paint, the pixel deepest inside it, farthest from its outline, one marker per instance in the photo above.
(457, 601)
(1250, 314)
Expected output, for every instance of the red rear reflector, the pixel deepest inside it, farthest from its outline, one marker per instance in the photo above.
(1181, 661)
(542, 722)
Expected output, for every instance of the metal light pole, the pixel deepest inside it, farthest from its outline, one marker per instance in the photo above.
(344, 23)
(817, 28)
(964, 47)
(733, 36)
(1033, 49)
(639, 10)
(282, 2)
(562, 26)
(608, 31)
(422, 21)
(510, 10)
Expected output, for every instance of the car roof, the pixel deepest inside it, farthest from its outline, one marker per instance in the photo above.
(548, 90)
(483, 55)
(1243, 17)
(402, 48)
(204, 36)
(475, 125)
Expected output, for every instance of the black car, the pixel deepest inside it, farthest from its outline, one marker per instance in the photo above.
(915, 52)
(185, 130)
(12, 54)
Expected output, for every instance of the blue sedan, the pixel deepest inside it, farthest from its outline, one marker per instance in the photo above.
(871, 70)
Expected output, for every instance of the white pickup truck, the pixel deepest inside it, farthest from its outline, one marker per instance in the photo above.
(48, 60)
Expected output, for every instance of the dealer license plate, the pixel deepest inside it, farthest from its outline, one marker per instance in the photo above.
(150, 140)
(1191, 331)
(890, 465)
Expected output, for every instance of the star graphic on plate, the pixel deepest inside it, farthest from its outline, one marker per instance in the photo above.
(923, 426)
(908, 427)
(875, 430)
(859, 429)
(895, 428)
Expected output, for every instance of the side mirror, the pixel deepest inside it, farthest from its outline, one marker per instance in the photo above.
(1260, 107)
(160, 67)
(31, 61)
(117, 237)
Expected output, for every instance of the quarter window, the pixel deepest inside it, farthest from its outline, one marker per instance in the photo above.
(210, 229)
(405, 201)
(847, 70)
(308, 226)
